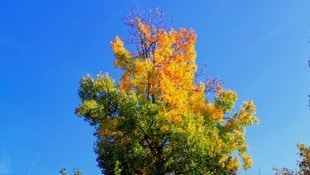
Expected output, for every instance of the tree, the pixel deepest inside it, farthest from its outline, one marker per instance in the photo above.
(303, 165)
(157, 118)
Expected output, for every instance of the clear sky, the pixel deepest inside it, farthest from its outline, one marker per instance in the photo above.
(258, 48)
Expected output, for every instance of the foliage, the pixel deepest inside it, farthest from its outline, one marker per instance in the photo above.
(157, 119)
(303, 165)
(63, 172)
(75, 172)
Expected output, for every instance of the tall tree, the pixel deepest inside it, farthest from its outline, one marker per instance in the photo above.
(157, 118)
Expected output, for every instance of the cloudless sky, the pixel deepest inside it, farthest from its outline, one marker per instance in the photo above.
(258, 48)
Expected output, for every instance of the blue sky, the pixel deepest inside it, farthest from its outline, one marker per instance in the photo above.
(259, 49)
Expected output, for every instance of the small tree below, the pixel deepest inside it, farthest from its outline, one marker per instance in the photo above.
(303, 165)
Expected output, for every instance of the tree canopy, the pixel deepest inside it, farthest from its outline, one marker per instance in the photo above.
(157, 119)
